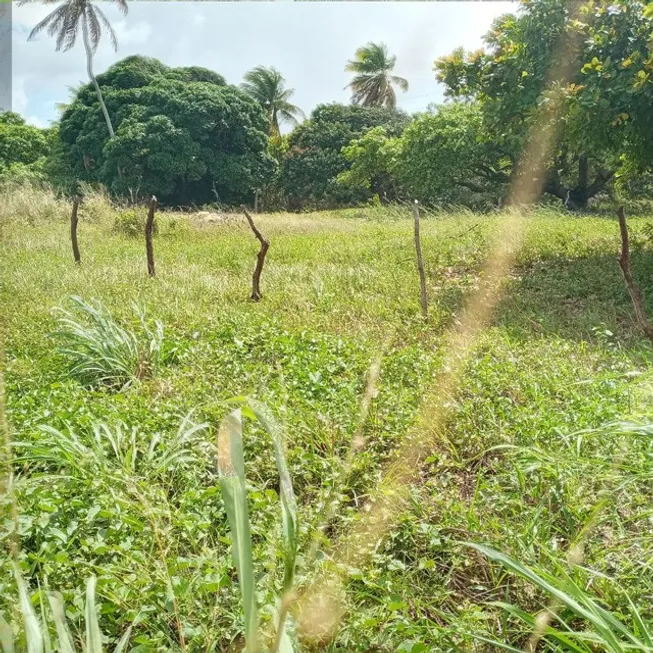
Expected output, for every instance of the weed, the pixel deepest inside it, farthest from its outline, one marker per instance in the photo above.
(100, 351)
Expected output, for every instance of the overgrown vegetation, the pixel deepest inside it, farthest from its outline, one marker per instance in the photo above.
(190, 138)
(109, 484)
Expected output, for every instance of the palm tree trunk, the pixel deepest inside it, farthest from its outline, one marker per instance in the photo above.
(89, 69)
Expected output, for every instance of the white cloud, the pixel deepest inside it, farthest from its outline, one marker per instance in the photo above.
(309, 42)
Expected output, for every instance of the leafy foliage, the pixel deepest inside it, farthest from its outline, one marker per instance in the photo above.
(23, 148)
(510, 79)
(315, 159)
(181, 134)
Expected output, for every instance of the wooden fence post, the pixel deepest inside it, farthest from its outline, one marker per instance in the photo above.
(73, 231)
(149, 226)
(260, 259)
(633, 288)
(420, 261)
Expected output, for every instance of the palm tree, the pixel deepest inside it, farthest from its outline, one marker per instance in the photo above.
(268, 87)
(65, 23)
(372, 84)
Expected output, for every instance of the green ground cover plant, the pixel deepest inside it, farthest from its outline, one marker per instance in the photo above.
(121, 481)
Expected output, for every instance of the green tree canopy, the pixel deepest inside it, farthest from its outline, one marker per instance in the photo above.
(510, 79)
(181, 134)
(22, 146)
(446, 157)
(315, 158)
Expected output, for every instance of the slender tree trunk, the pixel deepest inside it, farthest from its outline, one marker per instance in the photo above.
(420, 261)
(260, 259)
(149, 227)
(73, 231)
(633, 289)
(89, 69)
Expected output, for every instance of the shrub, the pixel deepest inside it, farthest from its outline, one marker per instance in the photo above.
(103, 352)
(131, 222)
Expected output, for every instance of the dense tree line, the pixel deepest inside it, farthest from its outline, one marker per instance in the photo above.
(187, 136)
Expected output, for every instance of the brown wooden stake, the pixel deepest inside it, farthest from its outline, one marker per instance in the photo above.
(420, 261)
(260, 259)
(633, 288)
(256, 201)
(149, 226)
(73, 231)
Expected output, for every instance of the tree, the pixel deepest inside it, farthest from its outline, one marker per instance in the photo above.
(23, 147)
(446, 157)
(67, 20)
(267, 86)
(314, 158)
(510, 80)
(373, 82)
(177, 138)
(372, 159)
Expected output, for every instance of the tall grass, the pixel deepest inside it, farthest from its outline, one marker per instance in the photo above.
(36, 633)
(573, 606)
(34, 204)
(101, 351)
(231, 465)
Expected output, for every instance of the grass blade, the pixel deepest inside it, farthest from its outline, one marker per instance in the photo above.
(231, 466)
(33, 634)
(287, 494)
(6, 637)
(93, 634)
(124, 640)
(59, 616)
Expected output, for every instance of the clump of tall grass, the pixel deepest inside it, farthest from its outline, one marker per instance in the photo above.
(31, 203)
(36, 631)
(558, 626)
(34, 203)
(231, 466)
(102, 352)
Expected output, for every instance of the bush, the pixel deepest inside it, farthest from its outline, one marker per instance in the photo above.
(131, 222)
(101, 351)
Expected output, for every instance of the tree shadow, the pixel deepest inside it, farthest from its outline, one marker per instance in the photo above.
(573, 298)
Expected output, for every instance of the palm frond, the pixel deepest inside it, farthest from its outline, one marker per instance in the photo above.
(105, 21)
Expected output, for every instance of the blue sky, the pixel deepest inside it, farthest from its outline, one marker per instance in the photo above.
(309, 42)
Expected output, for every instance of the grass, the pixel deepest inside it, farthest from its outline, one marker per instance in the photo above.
(529, 451)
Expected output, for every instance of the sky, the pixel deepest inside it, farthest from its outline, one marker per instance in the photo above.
(309, 42)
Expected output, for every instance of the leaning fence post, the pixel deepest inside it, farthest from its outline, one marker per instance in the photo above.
(420, 261)
(260, 259)
(73, 231)
(149, 226)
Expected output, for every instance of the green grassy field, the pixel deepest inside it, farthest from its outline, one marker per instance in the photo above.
(529, 460)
